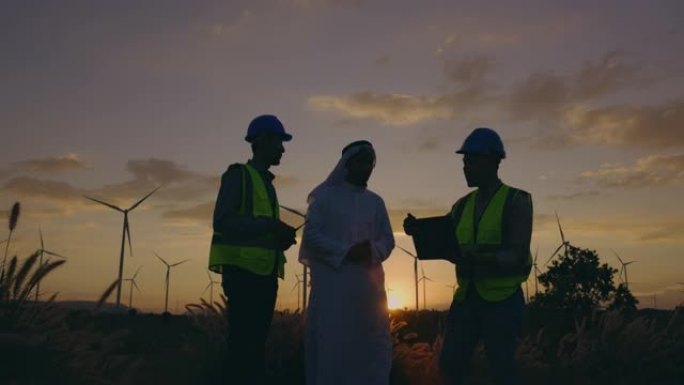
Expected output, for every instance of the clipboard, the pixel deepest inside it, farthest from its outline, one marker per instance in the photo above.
(435, 238)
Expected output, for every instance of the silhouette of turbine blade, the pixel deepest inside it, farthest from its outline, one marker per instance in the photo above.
(136, 204)
(618, 257)
(127, 226)
(53, 254)
(104, 203)
(161, 259)
(135, 285)
(554, 254)
(206, 288)
(293, 211)
(536, 254)
(136, 272)
(42, 244)
(178, 263)
(407, 252)
(559, 227)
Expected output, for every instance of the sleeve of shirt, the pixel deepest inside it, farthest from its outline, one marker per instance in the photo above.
(227, 218)
(383, 244)
(320, 246)
(518, 233)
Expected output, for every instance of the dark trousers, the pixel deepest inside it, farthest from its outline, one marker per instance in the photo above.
(251, 301)
(497, 323)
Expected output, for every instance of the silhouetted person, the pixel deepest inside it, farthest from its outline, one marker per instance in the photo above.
(345, 241)
(493, 229)
(247, 249)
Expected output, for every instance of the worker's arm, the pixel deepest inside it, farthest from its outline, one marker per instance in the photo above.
(517, 233)
(227, 217)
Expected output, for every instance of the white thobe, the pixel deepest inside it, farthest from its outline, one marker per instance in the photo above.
(347, 327)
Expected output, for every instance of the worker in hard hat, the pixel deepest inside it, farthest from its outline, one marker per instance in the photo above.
(247, 249)
(493, 229)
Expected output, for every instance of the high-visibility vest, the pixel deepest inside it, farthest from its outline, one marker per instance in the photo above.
(491, 284)
(259, 256)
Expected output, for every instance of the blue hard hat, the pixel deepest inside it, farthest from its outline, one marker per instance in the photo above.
(483, 141)
(266, 124)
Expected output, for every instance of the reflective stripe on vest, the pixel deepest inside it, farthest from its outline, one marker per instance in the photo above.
(260, 255)
(491, 285)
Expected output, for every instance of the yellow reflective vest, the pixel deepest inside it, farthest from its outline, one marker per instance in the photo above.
(259, 256)
(485, 240)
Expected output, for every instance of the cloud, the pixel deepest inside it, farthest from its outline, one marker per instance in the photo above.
(611, 73)
(655, 170)
(469, 74)
(574, 196)
(470, 71)
(626, 126)
(198, 214)
(546, 94)
(178, 183)
(70, 162)
(392, 109)
(42, 188)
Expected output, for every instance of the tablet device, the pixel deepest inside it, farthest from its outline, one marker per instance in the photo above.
(435, 238)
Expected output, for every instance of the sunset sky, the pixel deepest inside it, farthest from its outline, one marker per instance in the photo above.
(111, 99)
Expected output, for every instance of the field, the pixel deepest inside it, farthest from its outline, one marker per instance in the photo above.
(96, 347)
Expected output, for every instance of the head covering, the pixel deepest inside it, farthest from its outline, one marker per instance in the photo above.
(339, 173)
(483, 141)
(337, 177)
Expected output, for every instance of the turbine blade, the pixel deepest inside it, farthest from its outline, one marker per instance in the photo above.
(136, 286)
(137, 271)
(554, 254)
(161, 259)
(178, 263)
(406, 251)
(42, 244)
(136, 204)
(293, 211)
(630, 262)
(618, 257)
(53, 254)
(104, 203)
(205, 289)
(302, 225)
(536, 254)
(128, 233)
(560, 228)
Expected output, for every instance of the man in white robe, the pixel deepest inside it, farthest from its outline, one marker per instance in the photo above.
(345, 241)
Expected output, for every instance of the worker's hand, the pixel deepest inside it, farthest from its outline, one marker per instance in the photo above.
(360, 253)
(285, 234)
(410, 225)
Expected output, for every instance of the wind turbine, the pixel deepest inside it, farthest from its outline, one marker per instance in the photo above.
(133, 284)
(126, 233)
(415, 271)
(210, 286)
(305, 269)
(424, 278)
(168, 274)
(624, 268)
(296, 286)
(564, 243)
(537, 272)
(42, 251)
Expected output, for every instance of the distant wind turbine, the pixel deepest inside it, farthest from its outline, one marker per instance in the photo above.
(424, 278)
(297, 286)
(42, 251)
(305, 269)
(168, 274)
(564, 243)
(624, 268)
(415, 271)
(126, 233)
(210, 287)
(133, 284)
